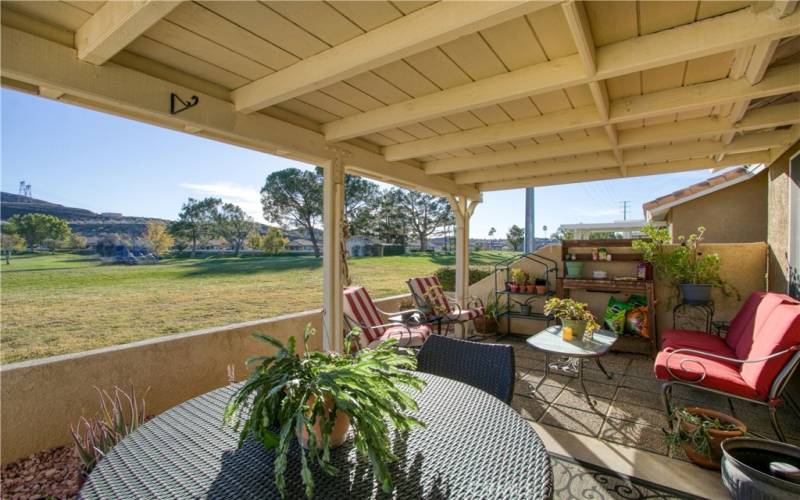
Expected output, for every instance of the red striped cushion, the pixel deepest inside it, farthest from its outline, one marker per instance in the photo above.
(420, 287)
(359, 306)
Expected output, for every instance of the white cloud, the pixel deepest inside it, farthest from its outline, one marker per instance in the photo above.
(247, 197)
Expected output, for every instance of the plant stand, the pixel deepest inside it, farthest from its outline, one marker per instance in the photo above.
(501, 294)
(706, 313)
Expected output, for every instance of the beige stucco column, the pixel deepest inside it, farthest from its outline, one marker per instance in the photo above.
(462, 208)
(332, 216)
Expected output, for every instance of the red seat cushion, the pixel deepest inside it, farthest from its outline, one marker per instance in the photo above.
(675, 339)
(780, 331)
(720, 375)
(413, 336)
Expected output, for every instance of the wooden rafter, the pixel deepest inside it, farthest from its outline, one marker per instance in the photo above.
(116, 25)
(419, 31)
(698, 39)
(37, 61)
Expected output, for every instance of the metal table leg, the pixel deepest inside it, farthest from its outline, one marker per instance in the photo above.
(602, 368)
(580, 379)
(546, 371)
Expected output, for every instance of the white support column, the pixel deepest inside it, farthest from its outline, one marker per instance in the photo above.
(462, 208)
(332, 216)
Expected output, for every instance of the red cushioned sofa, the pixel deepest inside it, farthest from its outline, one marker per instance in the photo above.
(753, 362)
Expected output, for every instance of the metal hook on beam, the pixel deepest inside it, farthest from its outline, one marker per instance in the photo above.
(184, 105)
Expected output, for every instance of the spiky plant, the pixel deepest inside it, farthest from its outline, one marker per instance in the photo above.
(120, 414)
(286, 394)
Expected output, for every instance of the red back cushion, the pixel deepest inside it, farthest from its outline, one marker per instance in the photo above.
(779, 331)
(429, 288)
(359, 306)
(762, 313)
(743, 321)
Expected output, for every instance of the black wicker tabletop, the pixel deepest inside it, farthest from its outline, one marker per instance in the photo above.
(474, 446)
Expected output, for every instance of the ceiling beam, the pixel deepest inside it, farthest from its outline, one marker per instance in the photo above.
(419, 31)
(117, 24)
(591, 161)
(633, 171)
(761, 118)
(780, 80)
(133, 94)
(695, 40)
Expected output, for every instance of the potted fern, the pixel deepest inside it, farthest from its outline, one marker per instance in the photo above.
(573, 314)
(317, 397)
(700, 433)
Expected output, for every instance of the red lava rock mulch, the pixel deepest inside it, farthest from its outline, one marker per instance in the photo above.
(54, 473)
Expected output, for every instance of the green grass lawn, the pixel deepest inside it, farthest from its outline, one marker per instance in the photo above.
(57, 304)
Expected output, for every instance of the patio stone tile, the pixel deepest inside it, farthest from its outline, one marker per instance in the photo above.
(590, 372)
(642, 415)
(641, 398)
(641, 367)
(718, 404)
(576, 399)
(597, 388)
(529, 408)
(756, 417)
(572, 419)
(643, 437)
(554, 379)
(545, 392)
(520, 373)
(615, 361)
(642, 384)
(531, 363)
(699, 397)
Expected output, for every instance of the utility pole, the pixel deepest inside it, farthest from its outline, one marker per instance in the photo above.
(625, 209)
(529, 220)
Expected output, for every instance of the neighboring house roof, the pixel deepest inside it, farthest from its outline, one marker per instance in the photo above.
(657, 209)
(621, 226)
(300, 242)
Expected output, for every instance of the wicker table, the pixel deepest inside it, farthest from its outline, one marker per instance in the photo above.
(474, 446)
(571, 353)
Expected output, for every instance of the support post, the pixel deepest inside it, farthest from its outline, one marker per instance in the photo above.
(332, 217)
(462, 208)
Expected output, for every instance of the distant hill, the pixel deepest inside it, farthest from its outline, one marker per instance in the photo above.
(90, 224)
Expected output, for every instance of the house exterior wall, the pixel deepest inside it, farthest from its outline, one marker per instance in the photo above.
(736, 214)
(778, 222)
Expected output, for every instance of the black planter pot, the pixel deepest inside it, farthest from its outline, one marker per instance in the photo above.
(695, 294)
(748, 465)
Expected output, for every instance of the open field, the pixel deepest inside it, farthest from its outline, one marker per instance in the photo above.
(57, 304)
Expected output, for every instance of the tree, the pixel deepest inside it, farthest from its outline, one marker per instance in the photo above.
(11, 242)
(35, 228)
(515, 236)
(196, 220)
(233, 224)
(157, 237)
(294, 196)
(76, 241)
(255, 240)
(392, 221)
(492, 232)
(425, 213)
(361, 200)
(273, 242)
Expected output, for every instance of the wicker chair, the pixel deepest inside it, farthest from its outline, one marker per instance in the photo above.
(489, 367)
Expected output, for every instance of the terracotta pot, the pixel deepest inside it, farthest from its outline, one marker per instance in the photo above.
(541, 289)
(514, 288)
(485, 325)
(530, 288)
(716, 437)
(339, 432)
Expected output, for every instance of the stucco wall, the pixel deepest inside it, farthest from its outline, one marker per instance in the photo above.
(778, 223)
(744, 265)
(737, 214)
(40, 399)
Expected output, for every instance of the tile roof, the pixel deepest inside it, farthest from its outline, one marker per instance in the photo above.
(696, 188)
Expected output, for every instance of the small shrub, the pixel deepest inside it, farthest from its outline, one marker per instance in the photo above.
(447, 276)
(389, 250)
(120, 414)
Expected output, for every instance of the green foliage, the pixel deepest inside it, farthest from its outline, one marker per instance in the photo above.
(684, 264)
(294, 197)
(518, 276)
(571, 309)
(120, 414)
(286, 393)
(389, 250)
(698, 437)
(196, 220)
(515, 237)
(158, 238)
(36, 228)
(233, 224)
(495, 308)
(447, 276)
(273, 242)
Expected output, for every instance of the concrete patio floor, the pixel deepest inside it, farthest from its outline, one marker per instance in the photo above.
(628, 413)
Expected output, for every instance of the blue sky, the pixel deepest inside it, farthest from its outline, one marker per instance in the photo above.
(104, 163)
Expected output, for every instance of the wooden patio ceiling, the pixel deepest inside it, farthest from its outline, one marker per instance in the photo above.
(448, 97)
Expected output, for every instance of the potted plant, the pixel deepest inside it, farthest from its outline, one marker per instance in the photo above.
(487, 324)
(530, 287)
(700, 432)
(517, 279)
(541, 286)
(573, 314)
(315, 396)
(691, 271)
